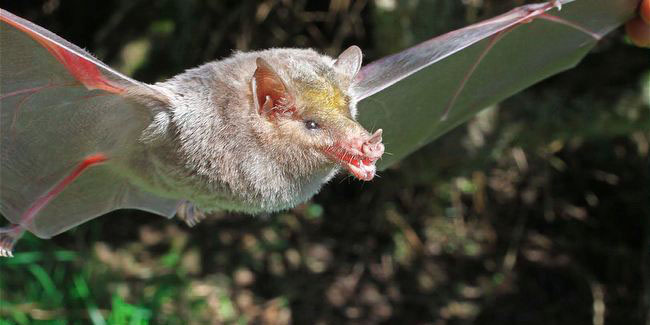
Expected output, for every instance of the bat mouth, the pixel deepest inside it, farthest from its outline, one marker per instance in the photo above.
(358, 157)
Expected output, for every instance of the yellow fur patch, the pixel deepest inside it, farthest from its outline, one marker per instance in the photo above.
(328, 98)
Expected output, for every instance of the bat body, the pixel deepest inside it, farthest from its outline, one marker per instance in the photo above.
(259, 131)
(254, 133)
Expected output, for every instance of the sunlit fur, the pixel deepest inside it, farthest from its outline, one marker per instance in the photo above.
(225, 155)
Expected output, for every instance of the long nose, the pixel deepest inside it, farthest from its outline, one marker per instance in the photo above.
(372, 147)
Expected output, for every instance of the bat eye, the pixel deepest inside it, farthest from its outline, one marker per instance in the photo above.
(311, 125)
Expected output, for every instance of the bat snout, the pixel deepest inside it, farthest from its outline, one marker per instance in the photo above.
(372, 147)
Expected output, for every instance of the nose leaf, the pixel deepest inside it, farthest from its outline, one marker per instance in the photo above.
(376, 137)
(373, 148)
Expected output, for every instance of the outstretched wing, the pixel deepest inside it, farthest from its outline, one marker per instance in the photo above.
(422, 92)
(64, 126)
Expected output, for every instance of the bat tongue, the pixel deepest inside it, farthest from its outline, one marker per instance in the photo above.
(360, 170)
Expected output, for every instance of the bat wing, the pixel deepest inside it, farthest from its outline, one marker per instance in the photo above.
(64, 126)
(424, 91)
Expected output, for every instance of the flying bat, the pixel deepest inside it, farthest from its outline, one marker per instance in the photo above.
(256, 132)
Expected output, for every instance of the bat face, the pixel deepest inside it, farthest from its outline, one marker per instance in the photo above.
(315, 112)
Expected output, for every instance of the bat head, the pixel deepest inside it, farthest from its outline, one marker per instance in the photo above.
(312, 113)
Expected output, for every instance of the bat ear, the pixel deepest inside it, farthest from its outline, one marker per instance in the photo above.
(270, 94)
(349, 62)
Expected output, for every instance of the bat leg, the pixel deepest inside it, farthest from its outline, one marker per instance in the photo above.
(189, 213)
(8, 238)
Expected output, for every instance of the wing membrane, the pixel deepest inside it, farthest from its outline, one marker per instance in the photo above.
(423, 92)
(59, 105)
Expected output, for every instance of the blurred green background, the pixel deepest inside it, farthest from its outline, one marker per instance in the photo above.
(535, 212)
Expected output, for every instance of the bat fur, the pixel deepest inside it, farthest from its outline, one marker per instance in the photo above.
(210, 144)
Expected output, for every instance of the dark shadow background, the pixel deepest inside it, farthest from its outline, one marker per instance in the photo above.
(533, 213)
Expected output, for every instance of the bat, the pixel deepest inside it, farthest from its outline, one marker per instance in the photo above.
(259, 131)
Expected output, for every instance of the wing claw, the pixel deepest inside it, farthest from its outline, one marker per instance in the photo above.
(556, 4)
(8, 238)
